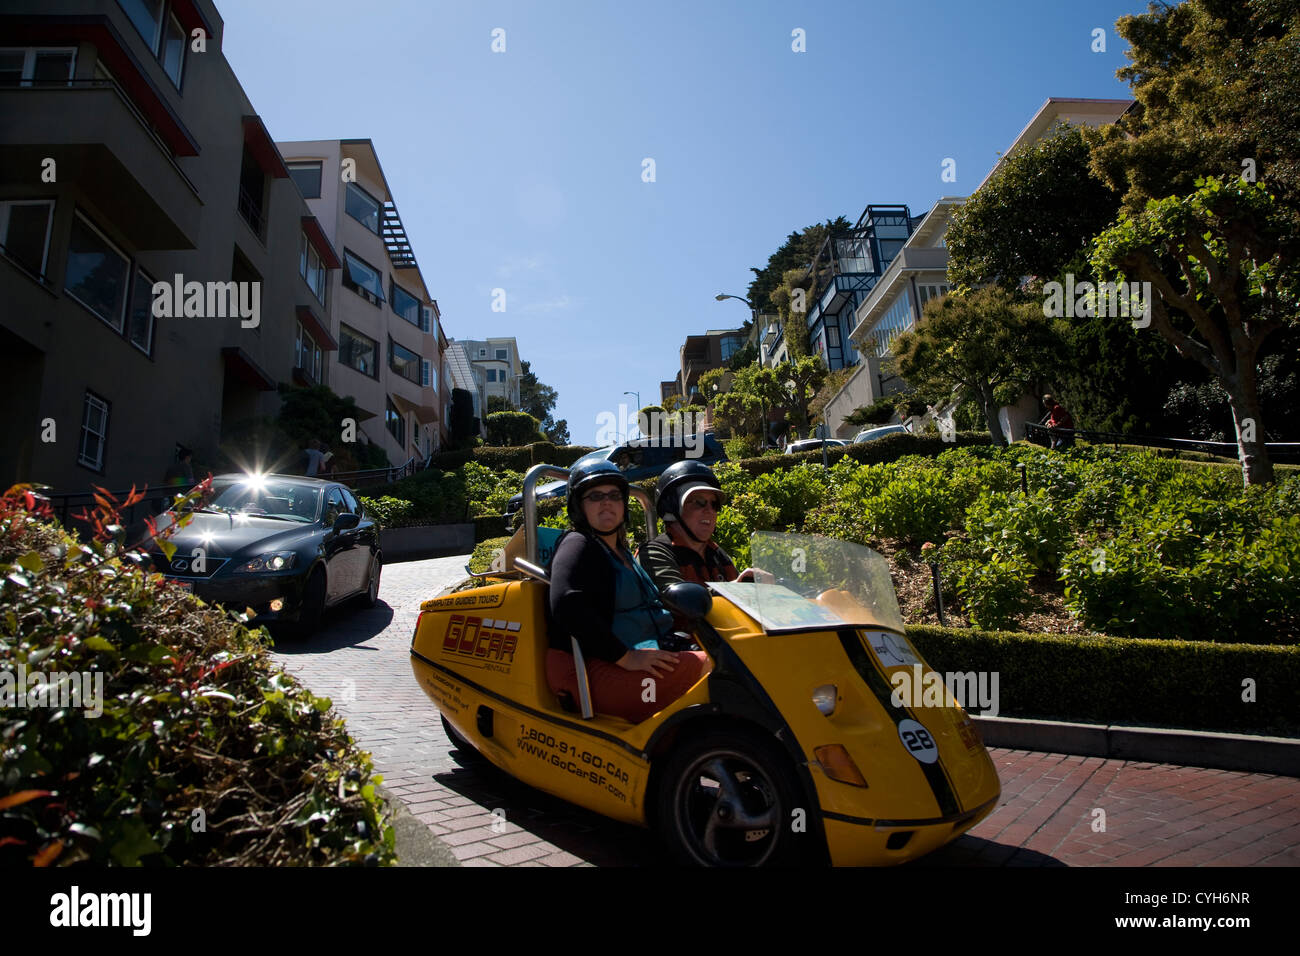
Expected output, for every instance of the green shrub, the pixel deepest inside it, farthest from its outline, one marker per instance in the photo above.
(484, 552)
(1031, 526)
(489, 526)
(740, 448)
(994, 588)
(512, 428)
(388, 512)
(205, 753)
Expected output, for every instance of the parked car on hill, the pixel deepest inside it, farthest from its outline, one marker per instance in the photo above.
(871, 434)
(814, 444)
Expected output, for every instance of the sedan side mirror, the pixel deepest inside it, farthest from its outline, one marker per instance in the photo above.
(692, 601)
(346, 522)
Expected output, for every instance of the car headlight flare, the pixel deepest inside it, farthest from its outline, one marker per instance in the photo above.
(825, 697)
(271, 561)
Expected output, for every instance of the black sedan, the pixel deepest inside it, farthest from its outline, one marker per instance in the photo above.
(285, 546)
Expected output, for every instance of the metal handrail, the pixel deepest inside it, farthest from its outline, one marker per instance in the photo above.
(1281, 452)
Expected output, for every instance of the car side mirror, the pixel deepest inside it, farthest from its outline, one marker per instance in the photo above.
(346, 522)
(692, 601)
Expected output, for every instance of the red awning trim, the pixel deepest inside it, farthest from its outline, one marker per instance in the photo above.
(242, 364)
(311, 225)
(131, 76)
(260, 144)
(318, 330)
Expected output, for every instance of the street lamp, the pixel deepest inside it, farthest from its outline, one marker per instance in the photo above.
(739, 298)
(638, 409)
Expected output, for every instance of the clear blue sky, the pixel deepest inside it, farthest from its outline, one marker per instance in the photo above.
(522, 170)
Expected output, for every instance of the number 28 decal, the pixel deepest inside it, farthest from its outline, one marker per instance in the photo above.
(918, 741)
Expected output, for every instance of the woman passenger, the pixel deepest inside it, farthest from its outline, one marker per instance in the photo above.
(601, 596)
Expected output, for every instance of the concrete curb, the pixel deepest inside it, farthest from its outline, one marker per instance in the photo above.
(416, 846)
(1277, 755)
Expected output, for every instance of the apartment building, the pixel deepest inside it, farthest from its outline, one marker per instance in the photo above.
(130, 156)
(384, 343)
(700, 353)
(498, 360)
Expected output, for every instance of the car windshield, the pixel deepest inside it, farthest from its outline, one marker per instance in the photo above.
(816, 583)
(266, 498)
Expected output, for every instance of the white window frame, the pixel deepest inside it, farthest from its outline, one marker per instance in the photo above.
(311, 264)
(121, 316)
(49, 226)
(29, 60)
(92, 400)
(138, 273)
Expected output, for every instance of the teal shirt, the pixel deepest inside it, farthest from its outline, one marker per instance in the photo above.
(640, 619)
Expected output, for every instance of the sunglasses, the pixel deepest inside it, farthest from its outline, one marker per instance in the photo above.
(598, 496)
(712, 504)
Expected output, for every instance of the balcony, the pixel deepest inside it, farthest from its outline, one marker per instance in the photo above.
(103, 144)
(250, 210)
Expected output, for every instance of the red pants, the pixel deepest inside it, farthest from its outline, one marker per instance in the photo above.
(620, 692)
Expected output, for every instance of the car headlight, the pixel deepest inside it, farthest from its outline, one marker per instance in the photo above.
(271, 561)
(824, 698)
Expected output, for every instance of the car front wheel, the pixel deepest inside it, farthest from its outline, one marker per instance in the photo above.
(371, 597)
(313, 604)
(727, 798)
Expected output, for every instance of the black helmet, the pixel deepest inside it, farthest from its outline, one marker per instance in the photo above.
(582, 477)
(679, 479)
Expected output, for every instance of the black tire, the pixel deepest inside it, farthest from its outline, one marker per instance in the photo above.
(313, 604)
(371, 596)
(460, 743)
(712, 783)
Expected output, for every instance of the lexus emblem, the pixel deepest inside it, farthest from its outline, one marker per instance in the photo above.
(181, 564)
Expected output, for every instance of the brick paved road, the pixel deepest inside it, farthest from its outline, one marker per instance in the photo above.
(1154, 814)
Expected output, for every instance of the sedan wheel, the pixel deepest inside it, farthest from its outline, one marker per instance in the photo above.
(371, 596)
(313, 604)
(727, 799)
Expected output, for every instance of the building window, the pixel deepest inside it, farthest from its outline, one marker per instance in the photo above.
(428, 375)
(25, 233)
(501, 355)
(306, 176)
(97, 272)
(927, 292)
(482, 353)
(395, 422)
(404, 362)
(252, 194)
(358, 351)
(363, 207)
(307, 354)
(363, 279)
(406, 305)
(491, 375)
(312, 269)
(23, 66)
(94, 432)
(139, 327)
(161, 32)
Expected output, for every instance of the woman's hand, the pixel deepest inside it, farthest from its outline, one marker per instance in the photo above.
(757, 575)
(648, 660)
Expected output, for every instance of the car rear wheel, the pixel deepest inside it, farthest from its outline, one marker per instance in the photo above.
(460, 743)
(313, 604)
(371, 597)
(727, 798)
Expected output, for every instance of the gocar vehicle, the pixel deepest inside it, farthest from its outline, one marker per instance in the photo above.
(638, 459)
(285, 546)
(799, 745)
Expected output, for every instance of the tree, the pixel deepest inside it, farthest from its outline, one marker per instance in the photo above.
(1034, 217)
(800, 382)
(539, 400)
(499, 403)
(513, 428)
(796, 252)
(1218, 257)
(464, 426)
(1217, 84)
(747, 403)
(977, 341)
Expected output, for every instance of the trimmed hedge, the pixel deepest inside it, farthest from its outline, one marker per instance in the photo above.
(489, 526)
(484, 551)
(519, 458)
(1195, 685)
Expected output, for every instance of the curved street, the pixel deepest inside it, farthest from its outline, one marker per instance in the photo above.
(1055, 810)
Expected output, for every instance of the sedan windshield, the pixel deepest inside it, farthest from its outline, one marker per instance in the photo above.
(267, 498)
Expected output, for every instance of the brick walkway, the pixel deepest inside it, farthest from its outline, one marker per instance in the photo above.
(1056, 810)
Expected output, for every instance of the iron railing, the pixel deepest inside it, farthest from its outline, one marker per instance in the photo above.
(1280, 452)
